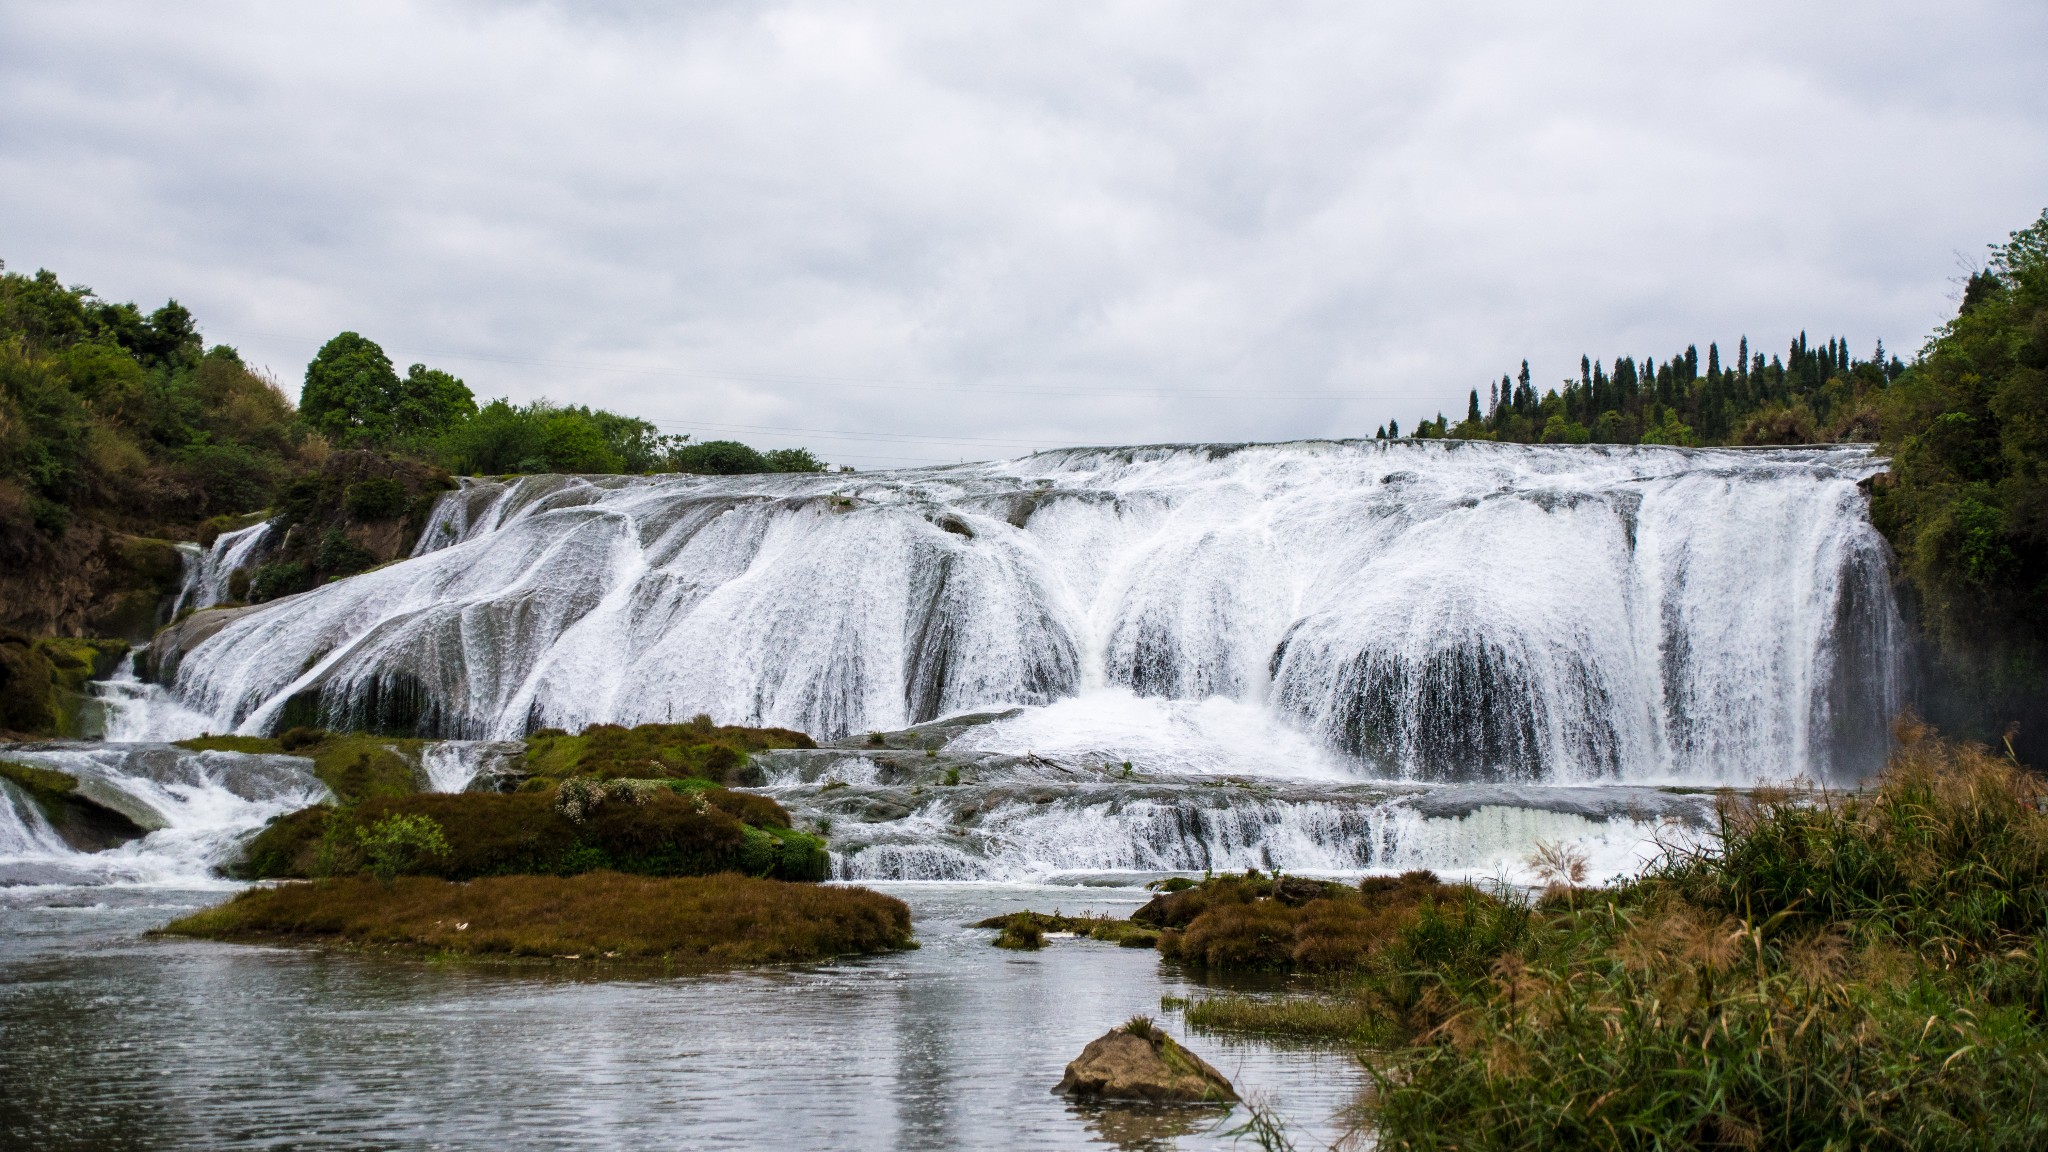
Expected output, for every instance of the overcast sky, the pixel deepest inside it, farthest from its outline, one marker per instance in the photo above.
(917, 232)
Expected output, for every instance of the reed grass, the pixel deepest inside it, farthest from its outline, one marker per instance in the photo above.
(1844, 971)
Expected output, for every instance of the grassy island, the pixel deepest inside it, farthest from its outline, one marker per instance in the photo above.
(690, 922)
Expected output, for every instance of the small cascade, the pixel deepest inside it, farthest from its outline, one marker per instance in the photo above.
(455, 765)
(199, 807)
(1090, 833)
(131, 709)
(24, 832)
(208, 573)
(937, 803)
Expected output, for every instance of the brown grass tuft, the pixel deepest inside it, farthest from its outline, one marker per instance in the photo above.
(711, 921)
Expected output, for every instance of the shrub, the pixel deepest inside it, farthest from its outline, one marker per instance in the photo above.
(399, 844)
(275, 579)
(720, 458)
(340, 556)
(378, 498)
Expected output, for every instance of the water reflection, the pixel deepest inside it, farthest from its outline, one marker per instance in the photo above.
(1146, 1127)
(109, 1039)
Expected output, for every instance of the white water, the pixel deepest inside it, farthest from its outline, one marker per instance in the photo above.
(207, 573)
(1086, 835)
(453, 765)
(1210, 651)
(205, 804)
(1406, 610)
(132, 710)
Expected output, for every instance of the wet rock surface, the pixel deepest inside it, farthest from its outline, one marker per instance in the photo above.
(1140, 1062)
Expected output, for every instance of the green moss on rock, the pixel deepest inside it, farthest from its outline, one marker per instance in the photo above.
(697, 750)
(652, 829)
(42, 681)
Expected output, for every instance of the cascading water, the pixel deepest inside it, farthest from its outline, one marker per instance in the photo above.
(1422, 612)
(209, 573)
(196, 809)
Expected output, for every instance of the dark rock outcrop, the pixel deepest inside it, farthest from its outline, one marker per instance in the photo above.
(90, 817)
(91, 581)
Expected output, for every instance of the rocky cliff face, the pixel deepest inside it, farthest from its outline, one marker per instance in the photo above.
(91, 581)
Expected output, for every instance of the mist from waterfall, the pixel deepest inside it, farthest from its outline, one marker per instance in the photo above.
(1397, 610)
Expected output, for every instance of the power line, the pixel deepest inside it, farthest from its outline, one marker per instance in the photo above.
(886, 384)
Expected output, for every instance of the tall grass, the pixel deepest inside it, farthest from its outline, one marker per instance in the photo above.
(1847, 971)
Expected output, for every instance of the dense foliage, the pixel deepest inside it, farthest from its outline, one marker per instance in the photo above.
(1814, 393)
(641, 827)
(127, 417)
(1865, 971)
(130, 419)
(1966, 504)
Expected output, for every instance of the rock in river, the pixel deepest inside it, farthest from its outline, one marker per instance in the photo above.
(1140, 1062)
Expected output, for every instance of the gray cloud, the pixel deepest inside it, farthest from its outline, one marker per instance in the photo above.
(985, 227)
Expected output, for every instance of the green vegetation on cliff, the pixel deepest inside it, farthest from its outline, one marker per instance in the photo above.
(690, 923)
(122, 431)
(42, 681)
(126, 417)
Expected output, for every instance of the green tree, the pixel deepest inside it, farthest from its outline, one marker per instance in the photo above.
(720, 458)
(793, 460)
(351, 393)
(429, 402)
(400, 844)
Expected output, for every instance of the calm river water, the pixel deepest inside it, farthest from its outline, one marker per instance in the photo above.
(113, 1040)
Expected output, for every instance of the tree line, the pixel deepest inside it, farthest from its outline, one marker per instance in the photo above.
(1814, 393)
(131, 419)
(355, 398)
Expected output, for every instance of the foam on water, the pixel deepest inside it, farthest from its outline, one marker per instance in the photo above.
(203, 804)
(207, 573)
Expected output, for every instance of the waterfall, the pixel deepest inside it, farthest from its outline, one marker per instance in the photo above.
(454, 765)
(197, 809)
(207, 573)
(1417, 610)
